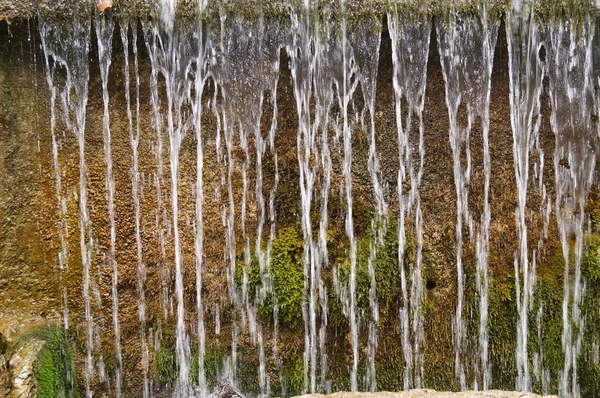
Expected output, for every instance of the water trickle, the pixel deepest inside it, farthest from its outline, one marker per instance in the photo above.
(152, 44)
(410, 52)
(134, 139)
(541, 373)
(345, 90)
(199, 83)
(68, 48)
(466, 46)
(173, 53)
(104, 33)
(245, 66)
(526, 73)
(50, 64)
(365, 39)
(573, 100)
(319, 58)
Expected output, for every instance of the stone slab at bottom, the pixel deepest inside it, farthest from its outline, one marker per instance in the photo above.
(432, 394)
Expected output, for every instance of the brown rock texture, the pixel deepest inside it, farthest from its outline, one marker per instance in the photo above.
(22, 367)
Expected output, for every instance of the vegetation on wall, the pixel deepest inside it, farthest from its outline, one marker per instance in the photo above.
(54, 375)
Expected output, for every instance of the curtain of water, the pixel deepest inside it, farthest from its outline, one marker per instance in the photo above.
(68, 47)
(244, 69)
(526, 72)
(466, 46)
(104, 33)
(410, 51)
(308, 52)
(174, 56)
(199, 84)
(572, 99)
(134, 139)
(50, 63)
(345, 90)
(365, 38)
(242, 58)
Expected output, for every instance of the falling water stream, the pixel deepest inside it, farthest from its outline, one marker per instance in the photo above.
(366, 41)
(466, 46)
(173, 58)
(104, 32)
(410, 52)
(134, 138)
(573, 101)
(526, 73)
(68, 47)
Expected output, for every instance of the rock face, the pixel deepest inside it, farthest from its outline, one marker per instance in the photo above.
(432, 394)
(22, 367)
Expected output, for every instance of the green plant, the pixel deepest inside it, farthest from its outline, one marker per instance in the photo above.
(54, 374)
(385, 266)
(164, 364)
(287, 273)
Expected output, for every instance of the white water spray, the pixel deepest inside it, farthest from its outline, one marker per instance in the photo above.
(410, 52)
(466, 46)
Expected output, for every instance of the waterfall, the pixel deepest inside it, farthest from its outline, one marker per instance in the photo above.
(205, 274)
(576, 139)
(309, 55)
(200, 81)
(466, 47)
(245, 69)
(526, 73)
(366, 40)
(172, 53)
(410, 52)
(68, 47)
(345, 91)
(104, 33)
(46, 34)
(134, 139)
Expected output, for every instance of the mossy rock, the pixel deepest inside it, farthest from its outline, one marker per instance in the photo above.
(287, 273)
(55, 373)
(41, 363)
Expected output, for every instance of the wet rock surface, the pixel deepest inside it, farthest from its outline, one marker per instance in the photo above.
(28, 234)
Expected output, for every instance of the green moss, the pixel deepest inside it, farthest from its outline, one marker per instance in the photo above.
(502, 326)
(292, 377)
(387, 274)
(553, 10)
(54, 375)
(287, 273)
(164, 364)
(589, 372)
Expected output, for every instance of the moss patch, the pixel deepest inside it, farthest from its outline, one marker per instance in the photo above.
(54, 374)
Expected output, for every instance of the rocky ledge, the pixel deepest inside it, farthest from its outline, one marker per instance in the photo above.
(35, 360)
(432, 394)
(25, 9)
